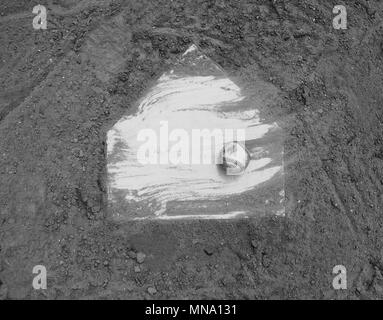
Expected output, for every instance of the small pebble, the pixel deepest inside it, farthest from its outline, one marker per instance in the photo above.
(141, 257)
(152, 290)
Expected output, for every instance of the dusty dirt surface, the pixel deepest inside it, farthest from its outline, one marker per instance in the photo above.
(62, 88)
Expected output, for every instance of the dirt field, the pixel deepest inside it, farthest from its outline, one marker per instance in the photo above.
(62, 88)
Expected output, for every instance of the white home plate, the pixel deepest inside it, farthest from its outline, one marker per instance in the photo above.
(164, 161)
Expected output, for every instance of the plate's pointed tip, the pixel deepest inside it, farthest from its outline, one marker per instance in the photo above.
(194, 62)
(192, 48)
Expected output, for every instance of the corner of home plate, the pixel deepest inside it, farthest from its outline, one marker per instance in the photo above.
(164, 161)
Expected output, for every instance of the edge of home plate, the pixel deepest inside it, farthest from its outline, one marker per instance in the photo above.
(195, 94)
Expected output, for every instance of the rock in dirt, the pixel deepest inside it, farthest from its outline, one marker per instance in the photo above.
(152, 290)
(137, 269)
(141, 257)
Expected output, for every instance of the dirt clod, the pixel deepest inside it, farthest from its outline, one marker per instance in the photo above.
(141, 257)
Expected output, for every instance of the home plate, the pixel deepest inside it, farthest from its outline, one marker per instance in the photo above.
(166, 161)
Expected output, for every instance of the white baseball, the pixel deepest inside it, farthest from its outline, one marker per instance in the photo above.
(235, 158)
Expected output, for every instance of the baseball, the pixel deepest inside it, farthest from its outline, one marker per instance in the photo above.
(235, 158)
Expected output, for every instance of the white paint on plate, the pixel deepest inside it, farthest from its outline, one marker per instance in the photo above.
(185, 101)
(214, 216)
